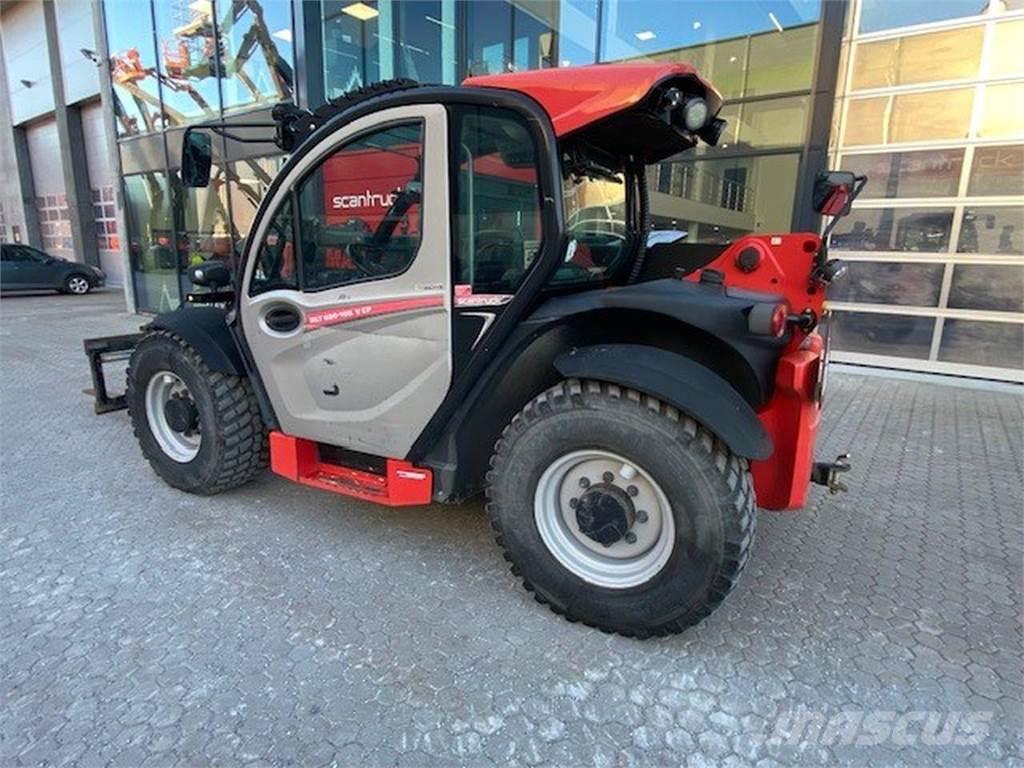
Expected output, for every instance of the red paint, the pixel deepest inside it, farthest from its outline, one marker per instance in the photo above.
(792, 414)
(321, 318)
(577, 96)
(299, 460)
(791, 417)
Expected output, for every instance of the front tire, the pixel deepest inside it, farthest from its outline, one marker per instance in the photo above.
(77, 284)
(200, 430)
(619, 511)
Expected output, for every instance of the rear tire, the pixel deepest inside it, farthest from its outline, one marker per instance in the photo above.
(686, 482)
(224, 443)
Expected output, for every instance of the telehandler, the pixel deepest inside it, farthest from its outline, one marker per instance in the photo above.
(427, 306)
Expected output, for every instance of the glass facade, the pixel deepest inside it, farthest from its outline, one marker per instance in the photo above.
(931, 110)
(928, 105)
(173, 63)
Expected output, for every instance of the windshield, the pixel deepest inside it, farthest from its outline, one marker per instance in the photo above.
(595, 215)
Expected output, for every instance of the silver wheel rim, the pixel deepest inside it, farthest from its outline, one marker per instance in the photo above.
(625, 563)
(177, 445)
(78, 285)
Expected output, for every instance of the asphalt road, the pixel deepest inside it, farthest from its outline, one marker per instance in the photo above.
(279, 625)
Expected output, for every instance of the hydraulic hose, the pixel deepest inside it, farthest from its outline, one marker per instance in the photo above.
(640, 174)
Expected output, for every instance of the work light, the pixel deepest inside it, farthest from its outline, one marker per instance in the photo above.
(695, 114)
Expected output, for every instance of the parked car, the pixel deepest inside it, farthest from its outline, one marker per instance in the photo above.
(23, 268)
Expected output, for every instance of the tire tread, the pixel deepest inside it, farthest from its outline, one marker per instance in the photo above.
(738, 499)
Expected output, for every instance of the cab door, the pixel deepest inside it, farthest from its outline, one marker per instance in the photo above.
(346, 296)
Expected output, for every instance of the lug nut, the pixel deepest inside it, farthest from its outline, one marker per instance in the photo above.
(641, 516)
(607, 477)
(584, 482)
(573, 503)
(606, 544)
(630, 537)
(632, 490)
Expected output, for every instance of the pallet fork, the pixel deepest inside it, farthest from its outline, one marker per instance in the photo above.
(108, 349)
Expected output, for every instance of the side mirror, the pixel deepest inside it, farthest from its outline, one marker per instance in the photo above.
(834, 192)
(196, 159)
(210, 274)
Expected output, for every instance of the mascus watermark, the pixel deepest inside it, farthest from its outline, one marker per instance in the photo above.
(872, 727)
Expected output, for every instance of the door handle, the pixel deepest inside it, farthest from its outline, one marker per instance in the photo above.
(282, 319)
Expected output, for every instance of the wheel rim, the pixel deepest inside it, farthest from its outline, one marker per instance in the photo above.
(567, 486)
(78, 285)
(180, 444)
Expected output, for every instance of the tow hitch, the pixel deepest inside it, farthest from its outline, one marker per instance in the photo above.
(827, 473)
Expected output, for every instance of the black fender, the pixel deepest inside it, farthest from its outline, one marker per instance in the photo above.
(678, 381)
(206, 330)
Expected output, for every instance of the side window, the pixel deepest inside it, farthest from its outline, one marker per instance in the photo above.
(17, 253)
(276, 265)
(360, 209)
(595, 216)
(498, 204)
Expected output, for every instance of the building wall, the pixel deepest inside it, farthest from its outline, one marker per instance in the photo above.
(931, 108)
(76, 31)
(25, 58)
(76, 148)
(103, 183)
(51, 197)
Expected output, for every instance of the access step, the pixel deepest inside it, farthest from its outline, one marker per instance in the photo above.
(402, 484)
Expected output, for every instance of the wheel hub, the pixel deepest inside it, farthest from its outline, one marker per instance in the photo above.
(604, 518)
(181, 414)
(173, 417)
(605, 513)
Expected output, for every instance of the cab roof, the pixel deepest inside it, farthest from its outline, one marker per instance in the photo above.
(575, 97)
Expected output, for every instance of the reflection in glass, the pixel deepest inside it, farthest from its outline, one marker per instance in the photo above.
(773, 123)
(977, 343)
(997, 171)
(533, 40)
(995, 287)
(351, 45)
(781, 62)
(133, 69)
(488, 30)
(881, 334)
(894, 229)
(151, 250)
(641, 28)
(950, 55)
(930, 173)
(882, 282)
(419, 44)
(909, 117)
(202, 225)
(992, 229)
(248, 182)
(876, 15)
(256, 45)
(577, 32)
(187, 60)
(1003, 115)
(717, 199)
(1005, 49)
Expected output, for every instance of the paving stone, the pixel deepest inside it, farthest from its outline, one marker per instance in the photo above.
(275, 625)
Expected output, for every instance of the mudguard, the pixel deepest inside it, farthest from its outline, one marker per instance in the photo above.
(206, 330)
(676, 380)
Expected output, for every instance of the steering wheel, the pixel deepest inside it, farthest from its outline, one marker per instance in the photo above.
(362, 255)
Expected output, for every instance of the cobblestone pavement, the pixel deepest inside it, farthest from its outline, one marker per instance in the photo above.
(277, 625)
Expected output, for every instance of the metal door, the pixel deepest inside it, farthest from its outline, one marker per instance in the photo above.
(361, 365)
